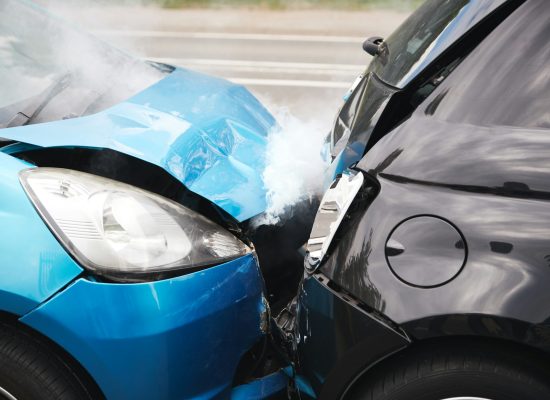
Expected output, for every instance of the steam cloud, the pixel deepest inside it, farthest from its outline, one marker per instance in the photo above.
(294, 165)
(43, 50)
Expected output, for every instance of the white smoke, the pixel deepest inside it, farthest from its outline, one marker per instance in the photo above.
(294, 165)
(37, 46)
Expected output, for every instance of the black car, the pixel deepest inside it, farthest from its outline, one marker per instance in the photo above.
(428, 267)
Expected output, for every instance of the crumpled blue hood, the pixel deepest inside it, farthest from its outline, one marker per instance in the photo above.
(207, 132)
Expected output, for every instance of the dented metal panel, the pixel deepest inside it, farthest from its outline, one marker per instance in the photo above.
(207, 132)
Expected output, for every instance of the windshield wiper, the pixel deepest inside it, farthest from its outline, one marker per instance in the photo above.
(33, 106)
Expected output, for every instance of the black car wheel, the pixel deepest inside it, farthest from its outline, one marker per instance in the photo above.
(457, 372)
(31, 371)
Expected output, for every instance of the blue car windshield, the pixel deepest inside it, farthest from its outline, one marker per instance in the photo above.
(50, 71)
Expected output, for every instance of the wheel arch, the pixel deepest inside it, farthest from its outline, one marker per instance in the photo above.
(537, 354)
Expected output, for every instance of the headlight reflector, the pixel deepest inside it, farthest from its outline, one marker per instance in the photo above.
(120, 231)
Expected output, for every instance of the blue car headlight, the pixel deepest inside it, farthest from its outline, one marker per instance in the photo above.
(122, 232)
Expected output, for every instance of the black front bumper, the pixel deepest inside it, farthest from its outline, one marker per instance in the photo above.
(339, 338)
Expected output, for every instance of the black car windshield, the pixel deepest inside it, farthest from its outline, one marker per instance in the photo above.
(52, 71)
(425, 35)
(505, 81)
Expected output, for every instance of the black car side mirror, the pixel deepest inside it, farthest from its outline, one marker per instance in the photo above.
(373, 45)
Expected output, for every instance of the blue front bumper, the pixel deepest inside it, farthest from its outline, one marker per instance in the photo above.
(180, 338)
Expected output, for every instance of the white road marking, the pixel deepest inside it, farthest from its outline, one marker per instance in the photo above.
(231, 36)
(263, 64)
(290, 82)
(273, 67)
(275, 71)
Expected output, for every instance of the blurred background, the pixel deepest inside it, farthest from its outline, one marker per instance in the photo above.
(298, 55)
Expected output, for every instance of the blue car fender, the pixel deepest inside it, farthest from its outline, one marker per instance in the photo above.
(33, 265)
(180, 338)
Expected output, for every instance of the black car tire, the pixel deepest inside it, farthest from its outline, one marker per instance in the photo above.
(31, 371)
(477, 371)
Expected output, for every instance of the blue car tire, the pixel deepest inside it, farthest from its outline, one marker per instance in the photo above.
(31, 370)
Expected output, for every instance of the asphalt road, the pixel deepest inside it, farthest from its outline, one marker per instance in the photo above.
(303, 60)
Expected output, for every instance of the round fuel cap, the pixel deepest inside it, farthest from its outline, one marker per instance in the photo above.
(426, 251)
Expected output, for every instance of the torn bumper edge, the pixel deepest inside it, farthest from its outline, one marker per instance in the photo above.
(338, 339)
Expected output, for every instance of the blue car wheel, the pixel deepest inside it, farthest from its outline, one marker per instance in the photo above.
(31, 369)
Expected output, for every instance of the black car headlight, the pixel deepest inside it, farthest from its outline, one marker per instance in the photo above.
(120, 231)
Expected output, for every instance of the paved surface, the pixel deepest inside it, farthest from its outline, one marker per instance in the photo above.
(302, 59)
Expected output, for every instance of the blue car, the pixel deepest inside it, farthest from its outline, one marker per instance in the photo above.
(126, 192)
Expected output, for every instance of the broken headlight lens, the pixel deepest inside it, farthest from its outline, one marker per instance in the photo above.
(123, 232)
